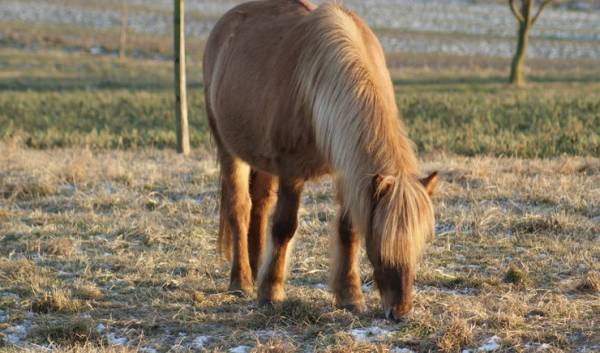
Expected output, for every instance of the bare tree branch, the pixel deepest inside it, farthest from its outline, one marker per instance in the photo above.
(542, 5)
(515, 11)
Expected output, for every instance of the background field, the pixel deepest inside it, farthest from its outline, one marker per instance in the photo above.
(107, 236)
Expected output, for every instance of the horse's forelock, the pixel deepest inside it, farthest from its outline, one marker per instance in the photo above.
(402, 222)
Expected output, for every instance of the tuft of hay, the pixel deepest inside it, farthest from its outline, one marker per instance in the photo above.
(55, 301)
(26, 188)
(457, 335)
(59, 247)
(67, 333)
(516, 276)
(589, 284)
(276, 346)
(88, 291)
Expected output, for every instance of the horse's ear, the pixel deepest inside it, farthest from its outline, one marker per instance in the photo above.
(430, 182)
(381, 185)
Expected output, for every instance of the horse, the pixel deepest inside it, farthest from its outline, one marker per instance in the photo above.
(294, 92)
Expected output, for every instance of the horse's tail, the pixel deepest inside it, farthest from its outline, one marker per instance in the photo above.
(224, 237)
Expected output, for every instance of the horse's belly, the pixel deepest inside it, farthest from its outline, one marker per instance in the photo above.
(299, 160)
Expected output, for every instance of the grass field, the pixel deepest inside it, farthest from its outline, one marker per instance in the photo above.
(117, 247)
(107, 237)
(57, 99)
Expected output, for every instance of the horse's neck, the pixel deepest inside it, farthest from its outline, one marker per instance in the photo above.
(361, 148)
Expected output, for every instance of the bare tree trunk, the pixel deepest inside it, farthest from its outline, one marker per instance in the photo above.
(181, 112)
(516, 69)
(124, 27)
(526, 19)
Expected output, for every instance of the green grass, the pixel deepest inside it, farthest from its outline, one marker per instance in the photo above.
(541, 125)
(99, 119)
(53, 99)
(527, 124)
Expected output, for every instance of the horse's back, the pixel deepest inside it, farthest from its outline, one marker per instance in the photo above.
(239, 72)
(252, 21)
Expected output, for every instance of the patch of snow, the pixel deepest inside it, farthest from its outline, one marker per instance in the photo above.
(367, 287)
(67, 189)
(240, 349)
(401, 350)
(265, 333)
(42, 347)
(8, 295)
(491, 344)
(322, 286)
(457, 292)
(200, 341)
(100, 328)
(15, 334)
(12, 339)
(453, 292)
(466, 351)
(538, 347)
(2, 316)
(370, 334)
(115, 340)
(148, 350)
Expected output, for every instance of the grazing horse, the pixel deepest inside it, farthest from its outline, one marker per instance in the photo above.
(294, 92)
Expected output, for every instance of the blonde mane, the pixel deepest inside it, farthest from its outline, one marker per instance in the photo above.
(342, 77)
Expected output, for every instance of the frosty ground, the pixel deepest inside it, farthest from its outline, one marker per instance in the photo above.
(448, 27)
(116, 248)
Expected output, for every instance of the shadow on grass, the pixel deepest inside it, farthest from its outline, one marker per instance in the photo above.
(495, 80)
(78, 84)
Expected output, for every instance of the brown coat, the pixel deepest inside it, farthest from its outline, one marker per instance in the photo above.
(294, 92)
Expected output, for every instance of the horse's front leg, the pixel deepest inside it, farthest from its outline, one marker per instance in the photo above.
(285, 222)
(345, 278)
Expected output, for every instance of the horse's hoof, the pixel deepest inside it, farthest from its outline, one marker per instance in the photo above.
(266, 304)
(241, 291)
(270, 295)
(270, 301)
(356, 308)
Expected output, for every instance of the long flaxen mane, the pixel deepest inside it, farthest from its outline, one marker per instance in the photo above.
(341, 80)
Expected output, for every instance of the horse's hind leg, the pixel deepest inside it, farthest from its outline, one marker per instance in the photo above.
(345, 278)
(262, 192)
(235, 176)
(285, 222)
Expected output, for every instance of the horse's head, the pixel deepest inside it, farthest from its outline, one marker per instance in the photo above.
(401, 222)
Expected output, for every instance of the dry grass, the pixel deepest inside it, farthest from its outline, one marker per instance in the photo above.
(55, 301)
(68, 332)
(459, 334)
(590, 283)
(89, 291)
(121, 250)
(516, 276)
(76, 348)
